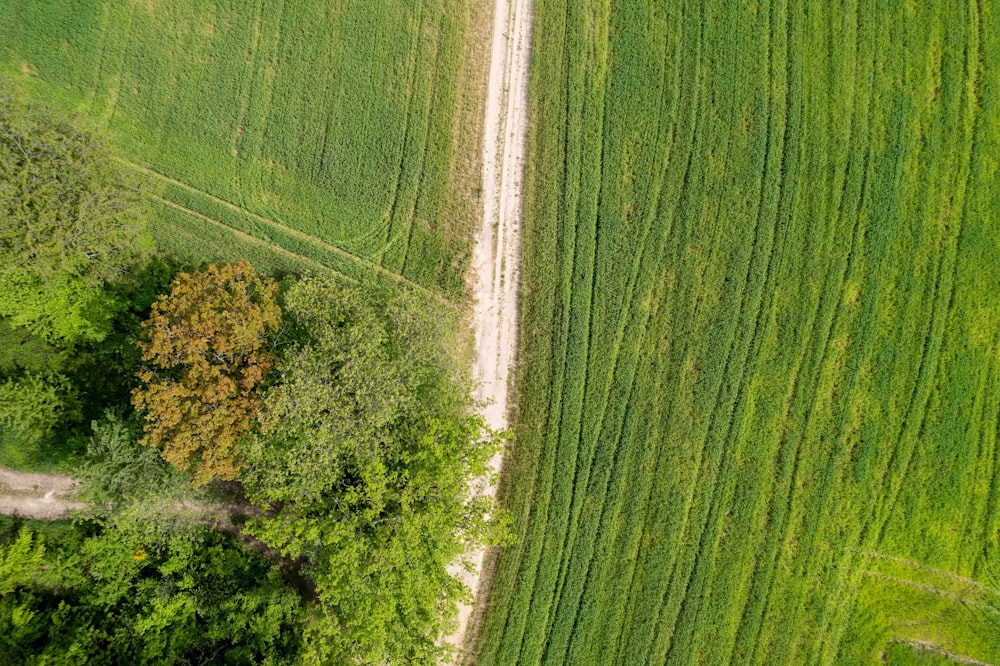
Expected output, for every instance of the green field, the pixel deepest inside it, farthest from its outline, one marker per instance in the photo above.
(759, 379)
(329, 130)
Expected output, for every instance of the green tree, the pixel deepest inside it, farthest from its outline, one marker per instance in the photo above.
(20, 561)
(118, 469)
(206, 343)
(35, 403)
(362, 464)
(70, 222)
(141, 588)
(33, 406)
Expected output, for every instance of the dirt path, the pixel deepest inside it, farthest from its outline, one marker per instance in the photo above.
(495, 278)
(40, 496)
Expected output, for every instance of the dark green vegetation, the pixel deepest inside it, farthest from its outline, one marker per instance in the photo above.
(293, 133)
(760, 376)
(138, 591)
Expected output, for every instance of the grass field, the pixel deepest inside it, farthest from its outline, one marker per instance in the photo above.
(760, 369)
(328, 130)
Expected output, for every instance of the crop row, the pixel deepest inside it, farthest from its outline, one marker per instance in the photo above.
(750, 242)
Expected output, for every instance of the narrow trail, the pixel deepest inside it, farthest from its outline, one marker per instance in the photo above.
(927, 646)
(495, 276)
(38, 496)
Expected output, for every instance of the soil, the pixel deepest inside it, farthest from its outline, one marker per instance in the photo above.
(39, 496)
(495, 275)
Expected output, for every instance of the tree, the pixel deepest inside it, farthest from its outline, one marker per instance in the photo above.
(206, 344)
(70, 222)
(33, 405)
(36, 403)
(118, 470)
(129, 589)
(362, 463)
(20, 561)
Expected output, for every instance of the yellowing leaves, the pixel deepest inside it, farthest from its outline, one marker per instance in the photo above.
(205, 342)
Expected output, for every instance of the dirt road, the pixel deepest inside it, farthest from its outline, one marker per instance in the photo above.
(496, 264)
(40, 496)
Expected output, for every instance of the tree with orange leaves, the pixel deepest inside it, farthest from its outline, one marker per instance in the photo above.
(205, 346)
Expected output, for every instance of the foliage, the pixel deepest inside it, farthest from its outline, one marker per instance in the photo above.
(104, 373)
(82, 381)
(140, 591)
(206, 342)
(62, 309)
(35, 403)
(365, 146)
(759, 336)
(345, 392)
(72, 222)
(37, 411)
(20, 351)
(20, 561)
(362, 465)
(118, 469)
(34, 406)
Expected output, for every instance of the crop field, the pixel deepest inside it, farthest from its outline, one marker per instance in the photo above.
(327, 130)
(759, 378)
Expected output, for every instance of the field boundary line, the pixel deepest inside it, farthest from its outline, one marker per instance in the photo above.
(927, 646)
(251, 238)
(950, 575)
(381, 270)
(933, 589)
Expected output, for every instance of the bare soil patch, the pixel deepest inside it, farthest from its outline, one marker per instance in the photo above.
(495, 274)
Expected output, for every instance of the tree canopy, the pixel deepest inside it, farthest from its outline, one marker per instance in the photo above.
(131, 590)
(206, 346)
(70, 222)
(362, 464)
